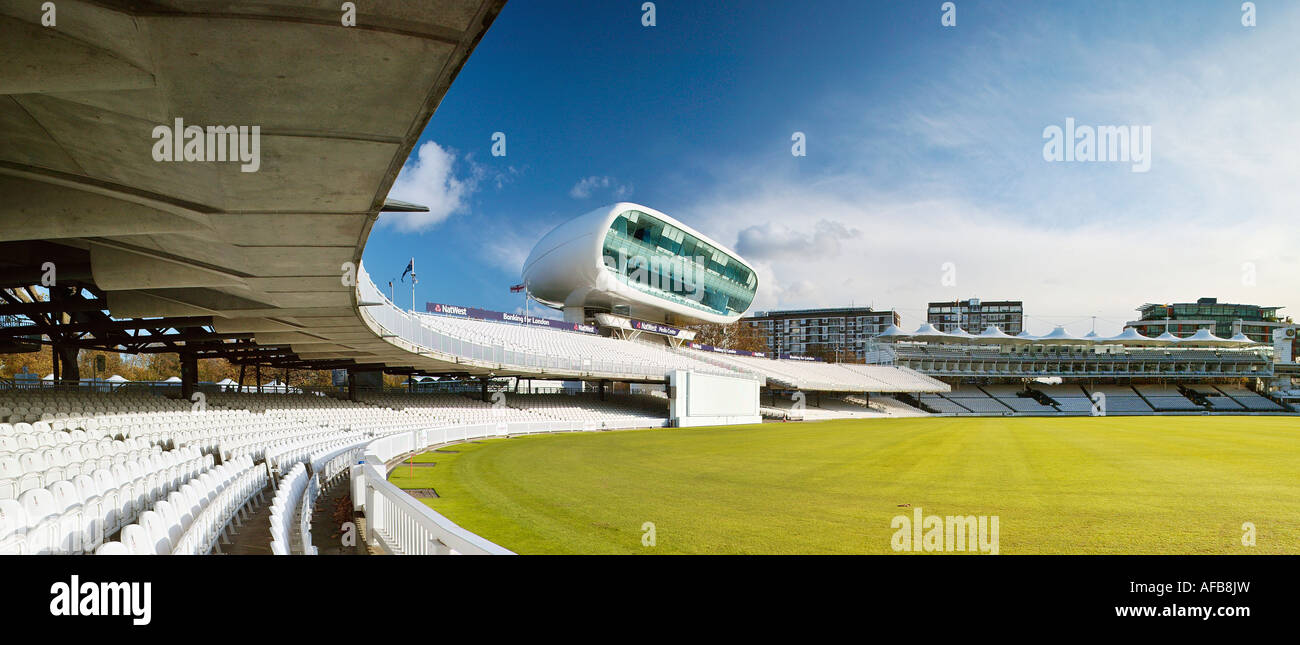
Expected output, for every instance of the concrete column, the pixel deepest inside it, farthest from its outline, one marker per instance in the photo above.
(189, 374)
(352, 386)
(67, 355)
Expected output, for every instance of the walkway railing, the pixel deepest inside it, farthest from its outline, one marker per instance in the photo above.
(397, 522)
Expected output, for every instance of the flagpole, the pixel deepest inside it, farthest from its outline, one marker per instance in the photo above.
(412, 285)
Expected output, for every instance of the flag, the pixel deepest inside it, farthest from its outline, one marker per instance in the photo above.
(410, 267)
(517, 288)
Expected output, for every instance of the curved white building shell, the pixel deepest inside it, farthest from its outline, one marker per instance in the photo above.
(669, 271)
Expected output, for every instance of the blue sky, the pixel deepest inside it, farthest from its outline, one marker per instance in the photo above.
(924, 150)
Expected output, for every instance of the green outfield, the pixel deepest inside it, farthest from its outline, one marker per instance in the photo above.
(1055, 485)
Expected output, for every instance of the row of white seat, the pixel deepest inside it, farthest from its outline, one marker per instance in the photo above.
(512, 407)
(209, 439)
(18, 430)
(256, 445)
(14, 480)
(29, 470)
(207, 529)
(287, 496)
(330, 459)
(306, 508)
(557, 349)
(78, 440)
(32, 410)
(191, 520)
(281, 456)
(75, 516)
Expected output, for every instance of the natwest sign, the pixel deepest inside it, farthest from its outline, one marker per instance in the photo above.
(656, 328)
(724, 350)
(506, 317)
(436, 308)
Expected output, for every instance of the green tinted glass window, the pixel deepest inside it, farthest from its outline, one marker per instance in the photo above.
(657, 258)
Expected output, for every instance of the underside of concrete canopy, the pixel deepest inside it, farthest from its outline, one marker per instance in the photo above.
(249, 265)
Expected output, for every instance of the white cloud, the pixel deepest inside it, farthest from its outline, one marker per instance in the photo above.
(774, 240)
(507, 249)
(588, 186)
(965, 183)
(1063, 276)
(430, 180)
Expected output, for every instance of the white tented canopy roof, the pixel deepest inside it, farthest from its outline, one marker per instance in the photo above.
(1167, 338)
(1060, 336)
(1240, 339)
(1130, 336)
(962, 333)
(993, 334)
(172, 379)
(892, 331)
(1204, 337)
(927, 331)
(116, 378)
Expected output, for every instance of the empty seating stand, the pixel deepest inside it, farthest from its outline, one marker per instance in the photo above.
(1167, 398)
(558, 349)
(1250, 401)
(827, 377)
(585, 410)
(1070, 399)
(1121, 400)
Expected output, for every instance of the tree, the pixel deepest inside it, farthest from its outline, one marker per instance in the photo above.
(39, 363)
(736, 335)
